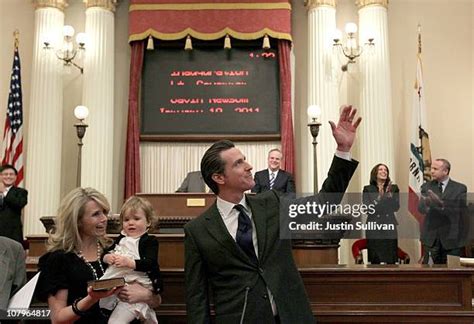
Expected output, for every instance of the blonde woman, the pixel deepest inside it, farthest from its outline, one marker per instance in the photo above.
(73, 259)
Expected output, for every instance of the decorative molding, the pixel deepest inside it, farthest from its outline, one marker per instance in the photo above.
(105, 4)
(310, 4)
(59, 4)
(364, 3)
(210, 6)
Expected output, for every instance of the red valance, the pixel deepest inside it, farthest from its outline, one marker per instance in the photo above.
(209, 20)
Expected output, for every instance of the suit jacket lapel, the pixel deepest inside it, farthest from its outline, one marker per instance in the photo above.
(449, 189)
(267, 178)
(12, 189)
(218, 230)
(259, 218)
(278, 178)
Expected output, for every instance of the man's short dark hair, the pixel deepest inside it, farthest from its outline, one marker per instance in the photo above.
(8, 166)
(212, 163)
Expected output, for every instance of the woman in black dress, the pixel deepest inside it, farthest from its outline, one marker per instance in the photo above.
(74, 258)
(382, 245)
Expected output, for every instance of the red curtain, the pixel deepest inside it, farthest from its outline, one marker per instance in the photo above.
(213, 19)
(287, 140)
(132, 150)
(210, 19)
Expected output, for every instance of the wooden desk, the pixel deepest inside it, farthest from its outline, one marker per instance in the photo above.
(389, 288)
(364, 294)
(349, 294)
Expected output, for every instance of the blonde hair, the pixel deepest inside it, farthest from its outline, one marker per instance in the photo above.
(135, 203)
(66, 236)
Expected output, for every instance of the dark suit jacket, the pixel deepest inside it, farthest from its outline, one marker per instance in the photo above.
(283, 182)
(386, 207)
(12, 269)
(213, 260)
(192, 183)
(148, 250)
(10, 213)
(446, 223)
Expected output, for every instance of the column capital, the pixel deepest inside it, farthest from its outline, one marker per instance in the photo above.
(310, 4)
(364, 3)
(59, 4)
(105, 4)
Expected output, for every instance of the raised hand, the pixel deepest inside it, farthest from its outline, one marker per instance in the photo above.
(345, 130)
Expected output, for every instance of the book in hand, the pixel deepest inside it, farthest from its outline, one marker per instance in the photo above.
(106, 284)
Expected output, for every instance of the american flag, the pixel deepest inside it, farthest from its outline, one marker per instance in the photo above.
(13, 134)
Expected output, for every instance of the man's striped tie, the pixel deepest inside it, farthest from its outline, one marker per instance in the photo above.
(272, 180)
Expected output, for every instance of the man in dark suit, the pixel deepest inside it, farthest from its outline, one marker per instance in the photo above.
(274, 177)
(193, 183)
(234, 248)
(443, 201)
(12, 201)
(12, 270)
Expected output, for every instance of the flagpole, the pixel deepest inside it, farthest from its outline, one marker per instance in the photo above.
(16, 36)
(420, 134)
(419, 39)
(12, 143)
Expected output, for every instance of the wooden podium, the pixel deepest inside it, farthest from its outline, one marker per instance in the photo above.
(176, 209)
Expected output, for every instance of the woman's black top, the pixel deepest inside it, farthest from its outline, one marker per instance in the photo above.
(65, 270)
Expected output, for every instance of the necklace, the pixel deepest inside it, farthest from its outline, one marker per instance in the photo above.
(94, 272)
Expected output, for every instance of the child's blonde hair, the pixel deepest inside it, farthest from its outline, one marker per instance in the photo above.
(135, 203)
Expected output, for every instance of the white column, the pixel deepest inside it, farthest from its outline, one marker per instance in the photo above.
(322, 84)
(376, 135)
(98, 96)
(44, 141)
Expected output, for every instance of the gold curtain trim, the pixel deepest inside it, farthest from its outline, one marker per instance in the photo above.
(209, 36)
(210, 6)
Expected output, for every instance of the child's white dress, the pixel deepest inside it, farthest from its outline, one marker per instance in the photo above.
(128, 246)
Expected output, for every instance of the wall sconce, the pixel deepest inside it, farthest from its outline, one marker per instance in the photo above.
(81, 113)
(68, 52)
(314, 112)
(351, 50)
